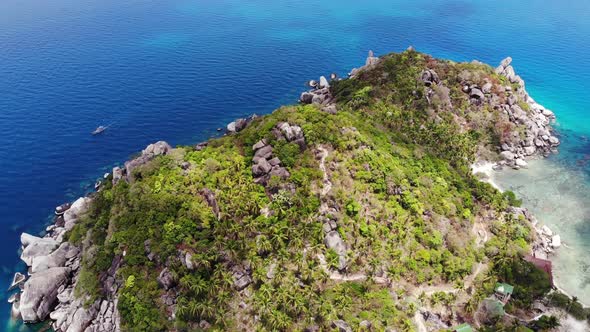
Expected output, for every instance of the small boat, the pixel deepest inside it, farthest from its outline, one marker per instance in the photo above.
(99, 130)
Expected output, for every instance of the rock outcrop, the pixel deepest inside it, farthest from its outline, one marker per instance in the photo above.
(239, 124)
(149, 153)
(537, 138)
(40, 293)
(370, 62)
(320, 95)
(265, 164)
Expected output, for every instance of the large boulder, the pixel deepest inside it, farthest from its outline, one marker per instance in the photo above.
(211, 200)
(429, 77)
(507, 155)
(334, 241)
(166, 279)
(505, 63)
(57, 258)
(117, 174)
(40, 293)
(26, 239)
(291, 133)
(280, 172)
(476, 93)
(341, 326)
(259, 145)
(156, 149)
(306, 97)
(323, 83)
(264, 153)
(82, 318)
(262, 167)
(149, 153)
(41, 247)
(79, 207)
(371, 59)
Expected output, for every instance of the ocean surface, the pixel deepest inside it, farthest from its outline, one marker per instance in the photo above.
(177, 70)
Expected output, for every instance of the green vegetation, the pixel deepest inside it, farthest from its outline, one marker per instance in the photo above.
(403, 195)
(571, 305)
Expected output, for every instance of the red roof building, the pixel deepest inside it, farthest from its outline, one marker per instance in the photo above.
(542, 264)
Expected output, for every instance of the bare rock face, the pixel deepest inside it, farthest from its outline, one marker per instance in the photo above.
(166, 280)
(261, 167)
(57, 258)
(429, 77)
(149, 153)
(239, 124)
(117, 174)
(334, 241)
(320, 95)
(371, 59)
(242, 277)
(291, 133)
(323, 83)
(211, 200)
(38, 247)
(79, 207)
(40, 293)
(341, 326)
(264, 153)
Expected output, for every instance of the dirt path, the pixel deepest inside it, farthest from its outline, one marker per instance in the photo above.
(327, 184)
(337, 276)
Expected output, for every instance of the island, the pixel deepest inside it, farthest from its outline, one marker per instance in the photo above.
(357, 209)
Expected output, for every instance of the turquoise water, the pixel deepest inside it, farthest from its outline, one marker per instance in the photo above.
(178, 69)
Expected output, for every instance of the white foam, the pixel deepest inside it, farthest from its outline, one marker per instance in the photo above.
(485, 171)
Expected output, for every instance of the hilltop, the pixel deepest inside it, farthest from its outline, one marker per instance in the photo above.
(355, 209)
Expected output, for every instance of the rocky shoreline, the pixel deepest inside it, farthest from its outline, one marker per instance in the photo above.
(54, 265)
(538, 138)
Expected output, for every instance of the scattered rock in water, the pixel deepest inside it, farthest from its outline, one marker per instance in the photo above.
(556, 241)
(520, 162)
(507, 155)
(60, 210)
(17, 280)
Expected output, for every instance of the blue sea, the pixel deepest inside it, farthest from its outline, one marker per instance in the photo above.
(177, 70)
